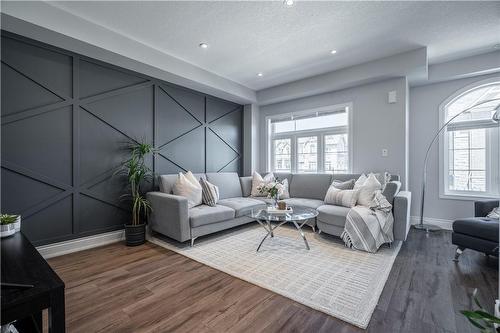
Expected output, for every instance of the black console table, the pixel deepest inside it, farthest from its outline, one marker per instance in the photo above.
(29, 285)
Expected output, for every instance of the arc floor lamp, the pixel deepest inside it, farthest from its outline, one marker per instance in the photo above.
(496, 118)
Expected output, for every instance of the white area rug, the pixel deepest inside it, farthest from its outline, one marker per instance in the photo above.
(330, 278)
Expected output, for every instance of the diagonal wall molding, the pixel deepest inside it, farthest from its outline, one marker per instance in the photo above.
(88, 202)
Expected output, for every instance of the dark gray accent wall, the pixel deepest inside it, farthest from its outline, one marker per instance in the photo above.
(65, 121)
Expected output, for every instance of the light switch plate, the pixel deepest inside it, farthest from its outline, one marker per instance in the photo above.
(392, 97)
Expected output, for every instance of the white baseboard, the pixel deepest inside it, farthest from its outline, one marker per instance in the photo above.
(442, 223)
(79, 244)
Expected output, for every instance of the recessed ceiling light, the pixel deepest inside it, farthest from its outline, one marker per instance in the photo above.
(333, 51)
(289, 3)
(260, 74)
(203, 45)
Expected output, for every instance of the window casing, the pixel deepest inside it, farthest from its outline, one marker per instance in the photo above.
(314, 141)
(469, 152)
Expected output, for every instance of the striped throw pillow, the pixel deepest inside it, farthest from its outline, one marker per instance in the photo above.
(338, 197)
(210, 193)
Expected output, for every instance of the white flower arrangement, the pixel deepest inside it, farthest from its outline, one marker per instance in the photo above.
(272, 190)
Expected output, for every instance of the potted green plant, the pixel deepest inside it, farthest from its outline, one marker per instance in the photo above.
(8, 224)
(481, 319)
(137, 174)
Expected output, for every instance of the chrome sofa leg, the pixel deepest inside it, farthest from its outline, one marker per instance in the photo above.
(458, 252)
(313, 228)
(319, 231)
(192, 241)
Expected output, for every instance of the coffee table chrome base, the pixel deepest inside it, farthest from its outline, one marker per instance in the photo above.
(270, 230)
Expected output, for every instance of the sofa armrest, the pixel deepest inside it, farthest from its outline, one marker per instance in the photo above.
(401, 209)
(484, 207)
(169, 215)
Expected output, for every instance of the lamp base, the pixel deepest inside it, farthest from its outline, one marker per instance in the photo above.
(426, 227)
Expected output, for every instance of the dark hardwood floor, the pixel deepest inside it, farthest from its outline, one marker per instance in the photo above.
(150, 289)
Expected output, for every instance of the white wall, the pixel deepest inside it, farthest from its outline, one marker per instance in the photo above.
(250, 139)
(424, 123)
(376, 124)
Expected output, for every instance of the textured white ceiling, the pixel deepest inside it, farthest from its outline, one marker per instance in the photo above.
(290, 43)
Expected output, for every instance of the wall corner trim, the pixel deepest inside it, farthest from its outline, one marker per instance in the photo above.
(80, 244)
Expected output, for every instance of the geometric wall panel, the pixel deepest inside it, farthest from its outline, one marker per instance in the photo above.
(192, 101)
(217, 108)
(172, 119)
(96, 79)
(25, 192)
(40, 65)
(219, 154)
(50, 223)
(186, 151)
(132, 113)
(100, 216)
(64, 135)
(228, 128)
(165, 167)
(234, 166)
(102, 148)
(19, 93)
(42, 144)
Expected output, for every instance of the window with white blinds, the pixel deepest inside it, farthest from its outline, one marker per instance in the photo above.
(310, 142)
(471, 144)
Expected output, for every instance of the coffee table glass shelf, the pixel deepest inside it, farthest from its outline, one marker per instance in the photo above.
(271, 221)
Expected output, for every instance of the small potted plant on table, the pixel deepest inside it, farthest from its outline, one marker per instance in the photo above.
(9, 224)
(137, 173)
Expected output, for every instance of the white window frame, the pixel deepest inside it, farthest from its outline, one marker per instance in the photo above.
(320, 133)
(492, 164)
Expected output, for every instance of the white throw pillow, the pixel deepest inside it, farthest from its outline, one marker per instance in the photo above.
(257, 181)
(361, 180)
(367, 190)
(192, 179)
(185, 187)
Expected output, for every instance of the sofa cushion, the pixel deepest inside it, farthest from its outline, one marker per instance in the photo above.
(203, 214)
(334, 215)
(242, 205)
(479, 227)
(167, 182)
(311, 186)
(304, 202)
(228, 183)
(246, 185)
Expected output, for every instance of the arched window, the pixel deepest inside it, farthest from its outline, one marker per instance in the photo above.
(470, 149)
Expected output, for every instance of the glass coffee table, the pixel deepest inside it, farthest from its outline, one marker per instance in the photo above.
(270, 221)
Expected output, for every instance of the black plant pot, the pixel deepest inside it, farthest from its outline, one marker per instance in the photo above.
(135, 234)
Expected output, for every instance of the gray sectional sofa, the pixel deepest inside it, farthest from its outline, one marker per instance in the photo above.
(171, 216)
